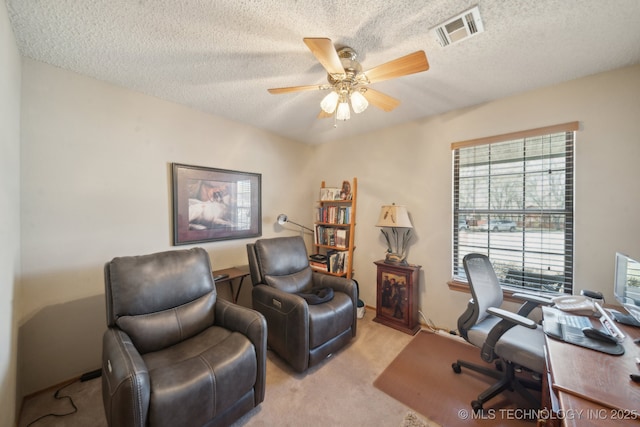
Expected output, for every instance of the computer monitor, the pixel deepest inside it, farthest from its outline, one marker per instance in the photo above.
(627, 284)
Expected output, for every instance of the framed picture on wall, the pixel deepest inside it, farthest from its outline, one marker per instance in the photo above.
(214, 204)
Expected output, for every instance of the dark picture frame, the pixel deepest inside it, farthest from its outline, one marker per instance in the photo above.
(393, 293)
(214, 204)
(397, 296)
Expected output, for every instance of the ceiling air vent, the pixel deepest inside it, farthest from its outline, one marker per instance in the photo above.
(458, 28)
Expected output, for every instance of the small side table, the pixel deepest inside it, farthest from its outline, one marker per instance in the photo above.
(233, 273)
(397, 296)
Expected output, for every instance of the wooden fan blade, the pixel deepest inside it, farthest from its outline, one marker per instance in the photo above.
(413, 63)
(279, 90)
(325, 53)
(380, 100)
(324, 115)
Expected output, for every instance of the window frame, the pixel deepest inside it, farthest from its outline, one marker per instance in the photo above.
(458, 282)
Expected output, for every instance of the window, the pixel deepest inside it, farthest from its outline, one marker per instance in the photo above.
(243, 210)
(513, 201)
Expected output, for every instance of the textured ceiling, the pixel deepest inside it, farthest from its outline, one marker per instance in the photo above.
(221, 56)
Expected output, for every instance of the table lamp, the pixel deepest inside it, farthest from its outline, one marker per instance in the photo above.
(396, 228)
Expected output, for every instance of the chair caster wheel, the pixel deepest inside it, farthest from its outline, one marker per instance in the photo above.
(476, 406)
(456, 368)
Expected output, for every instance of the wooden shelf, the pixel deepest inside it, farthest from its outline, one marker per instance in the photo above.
(341, 225)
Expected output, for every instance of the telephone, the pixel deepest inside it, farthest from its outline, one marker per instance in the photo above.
(578, 305)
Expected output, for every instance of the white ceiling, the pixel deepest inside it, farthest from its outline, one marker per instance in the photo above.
(221, 56)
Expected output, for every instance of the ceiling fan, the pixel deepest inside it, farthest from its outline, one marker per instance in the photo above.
(349, 84)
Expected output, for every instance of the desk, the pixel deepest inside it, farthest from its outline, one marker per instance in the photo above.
(584, 387)
(233, 273)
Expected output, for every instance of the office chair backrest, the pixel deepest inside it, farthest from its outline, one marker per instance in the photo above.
(484, 284)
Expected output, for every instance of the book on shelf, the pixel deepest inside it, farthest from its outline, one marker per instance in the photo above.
(334, 214)
(341, 238)
(337, 261)
(320, 266)
(331, 236)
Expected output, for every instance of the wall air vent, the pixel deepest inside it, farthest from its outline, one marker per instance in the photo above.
(458, 28)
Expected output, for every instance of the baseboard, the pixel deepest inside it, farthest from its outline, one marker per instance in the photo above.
(51, 389)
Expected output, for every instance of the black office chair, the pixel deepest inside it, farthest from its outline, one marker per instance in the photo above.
(511, 339)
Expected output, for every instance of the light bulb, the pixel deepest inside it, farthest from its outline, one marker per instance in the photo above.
(329, 102)
(343, 112)
(358, 102)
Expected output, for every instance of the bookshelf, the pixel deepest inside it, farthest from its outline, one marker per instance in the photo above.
(334, 229)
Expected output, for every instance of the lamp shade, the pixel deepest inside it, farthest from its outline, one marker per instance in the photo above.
(343, 112)
(330, 102)
(394, 216)
(282, 219)
(358, 102)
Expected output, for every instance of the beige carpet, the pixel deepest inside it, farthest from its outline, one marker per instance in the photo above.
(413, 420)
(338, 392)
(422, 378)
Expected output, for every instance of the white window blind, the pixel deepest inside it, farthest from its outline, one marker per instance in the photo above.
(243, 209)
(513, 201)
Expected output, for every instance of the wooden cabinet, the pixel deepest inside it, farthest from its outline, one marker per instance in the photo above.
(397, 296)
(334, 229)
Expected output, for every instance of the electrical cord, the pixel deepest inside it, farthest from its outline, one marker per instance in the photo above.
(58, 397)
(432, 326)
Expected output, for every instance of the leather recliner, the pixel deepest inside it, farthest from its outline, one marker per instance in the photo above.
(174, 353)
(301, 333)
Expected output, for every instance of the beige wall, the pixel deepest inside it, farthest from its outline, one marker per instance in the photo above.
(96, 184)
(9, 216)
(411, 165)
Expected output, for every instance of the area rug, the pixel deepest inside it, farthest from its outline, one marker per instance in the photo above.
(412, 420)
(421, 377)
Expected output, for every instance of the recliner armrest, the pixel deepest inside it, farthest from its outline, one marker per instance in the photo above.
(240, 319)
(337, 283)
(278, 300)
(253, 325)
(288, 319)
(340, 284)
(125, 381)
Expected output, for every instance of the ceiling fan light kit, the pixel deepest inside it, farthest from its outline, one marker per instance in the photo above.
(330, 102)
(349, 84)
(343, 112)
(358, 102)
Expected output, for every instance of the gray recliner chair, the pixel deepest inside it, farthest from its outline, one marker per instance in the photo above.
(301, 333)
(175, 354)
(513, 340)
